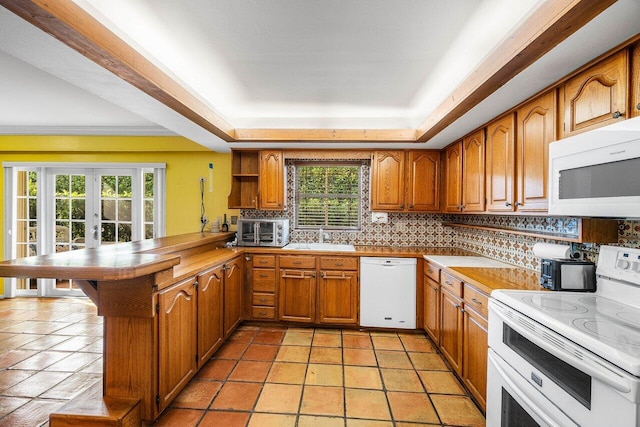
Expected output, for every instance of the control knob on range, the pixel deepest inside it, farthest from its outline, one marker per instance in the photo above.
(623, 264)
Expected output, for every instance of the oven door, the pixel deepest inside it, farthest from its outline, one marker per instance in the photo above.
(587, 388)
(511, 401)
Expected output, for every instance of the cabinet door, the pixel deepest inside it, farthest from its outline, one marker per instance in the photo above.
(387, 181)
(536, 129)
(451, 329)
(271, 180)
(232, 295)
(177, 323)
(635, 80)
(500, 164)
(595, 97)
(338, 297)
(453, 178)
(297, 296)
(473, 178)
(423, 192)
(432, 309)
(475, 355)
(210, 310)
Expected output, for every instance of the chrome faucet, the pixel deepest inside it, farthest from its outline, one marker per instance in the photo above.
(320, 235)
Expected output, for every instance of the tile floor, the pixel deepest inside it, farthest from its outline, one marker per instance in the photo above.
(50, 351)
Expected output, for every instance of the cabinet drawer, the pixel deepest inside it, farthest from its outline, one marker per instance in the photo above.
(432, 272)
(264, 313)
(268, 300)
(452, 284)
(264, 280)
(264, 261)
(476, 299)
(293, 261)
(331, 263)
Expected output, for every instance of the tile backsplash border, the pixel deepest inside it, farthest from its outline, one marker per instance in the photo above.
(427, 230)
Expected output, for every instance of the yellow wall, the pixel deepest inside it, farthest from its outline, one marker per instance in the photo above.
(186, 163)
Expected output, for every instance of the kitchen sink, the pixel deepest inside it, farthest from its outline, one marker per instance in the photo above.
(334, 247)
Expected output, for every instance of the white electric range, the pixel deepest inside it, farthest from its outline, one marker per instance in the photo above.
(568, 358)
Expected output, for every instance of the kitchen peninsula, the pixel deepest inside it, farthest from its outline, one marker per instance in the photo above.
(169, 303)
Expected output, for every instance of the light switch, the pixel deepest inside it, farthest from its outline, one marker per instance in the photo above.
(379, 217)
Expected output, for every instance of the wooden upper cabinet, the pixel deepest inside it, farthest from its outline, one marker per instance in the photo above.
(473, 176)
(271, 180)
(501, 164)
(423, 186)
(387, 181)
(453, 178)
(595, 97)
(635, 80)
(536, 129)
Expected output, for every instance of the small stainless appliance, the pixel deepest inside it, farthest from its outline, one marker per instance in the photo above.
(568, 275)
(263, 232)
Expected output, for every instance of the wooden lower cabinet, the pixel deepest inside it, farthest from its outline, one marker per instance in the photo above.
(297, 295)
(451, 328)
(338, 297)
(263, 287)
(432, 309)
(232, 295)
(474, 348)
(210, 312)
(177, 339)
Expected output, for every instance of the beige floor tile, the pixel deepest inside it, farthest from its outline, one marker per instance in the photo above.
(328, 331)
(315, 421)
(318, 374)
(327, 355)
(381, 333)
(322, 400)
(359, 356)
(357, 341)
(414, 407)
(368, 423)
(417, 343)
(327, 340)
(393, 359)
(354, 332)
(401, 380)
(362, 377)
(387, 343)
(289, 353)
(297, 338)
(272, 420)
(457, 410)
(287, 373)
(428, 362)
(370, 404)
(279, 398)
(441, 382)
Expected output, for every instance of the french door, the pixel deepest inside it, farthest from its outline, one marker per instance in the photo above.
(61, 209)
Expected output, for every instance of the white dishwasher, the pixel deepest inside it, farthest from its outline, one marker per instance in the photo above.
(388, 292)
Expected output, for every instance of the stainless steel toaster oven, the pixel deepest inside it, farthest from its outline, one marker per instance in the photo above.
(263, 232)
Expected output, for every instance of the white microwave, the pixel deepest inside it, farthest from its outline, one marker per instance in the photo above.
(597, 174)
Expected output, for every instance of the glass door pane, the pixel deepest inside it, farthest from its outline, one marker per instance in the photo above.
(116, 208)
(26, 228)
(69, 231)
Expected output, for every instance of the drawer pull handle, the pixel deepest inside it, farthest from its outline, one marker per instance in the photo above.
(297, 262)
(263, 300)
(263, 261)
(262, 313)
(339, 264)
(476, 301)
(446, 282)
(263, 275)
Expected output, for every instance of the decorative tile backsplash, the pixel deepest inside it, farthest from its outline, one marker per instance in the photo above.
(427, 230)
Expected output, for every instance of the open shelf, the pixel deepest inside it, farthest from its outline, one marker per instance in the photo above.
(244, 180)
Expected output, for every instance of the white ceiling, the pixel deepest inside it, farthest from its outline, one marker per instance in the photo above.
(379, 64)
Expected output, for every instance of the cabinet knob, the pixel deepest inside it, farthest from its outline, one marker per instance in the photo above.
(617, 114)
(517, 204)
(638, 106)
(507, 204)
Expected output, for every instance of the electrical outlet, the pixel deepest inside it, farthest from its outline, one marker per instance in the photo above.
(234, 220)
(379, 217)
(400, 227)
